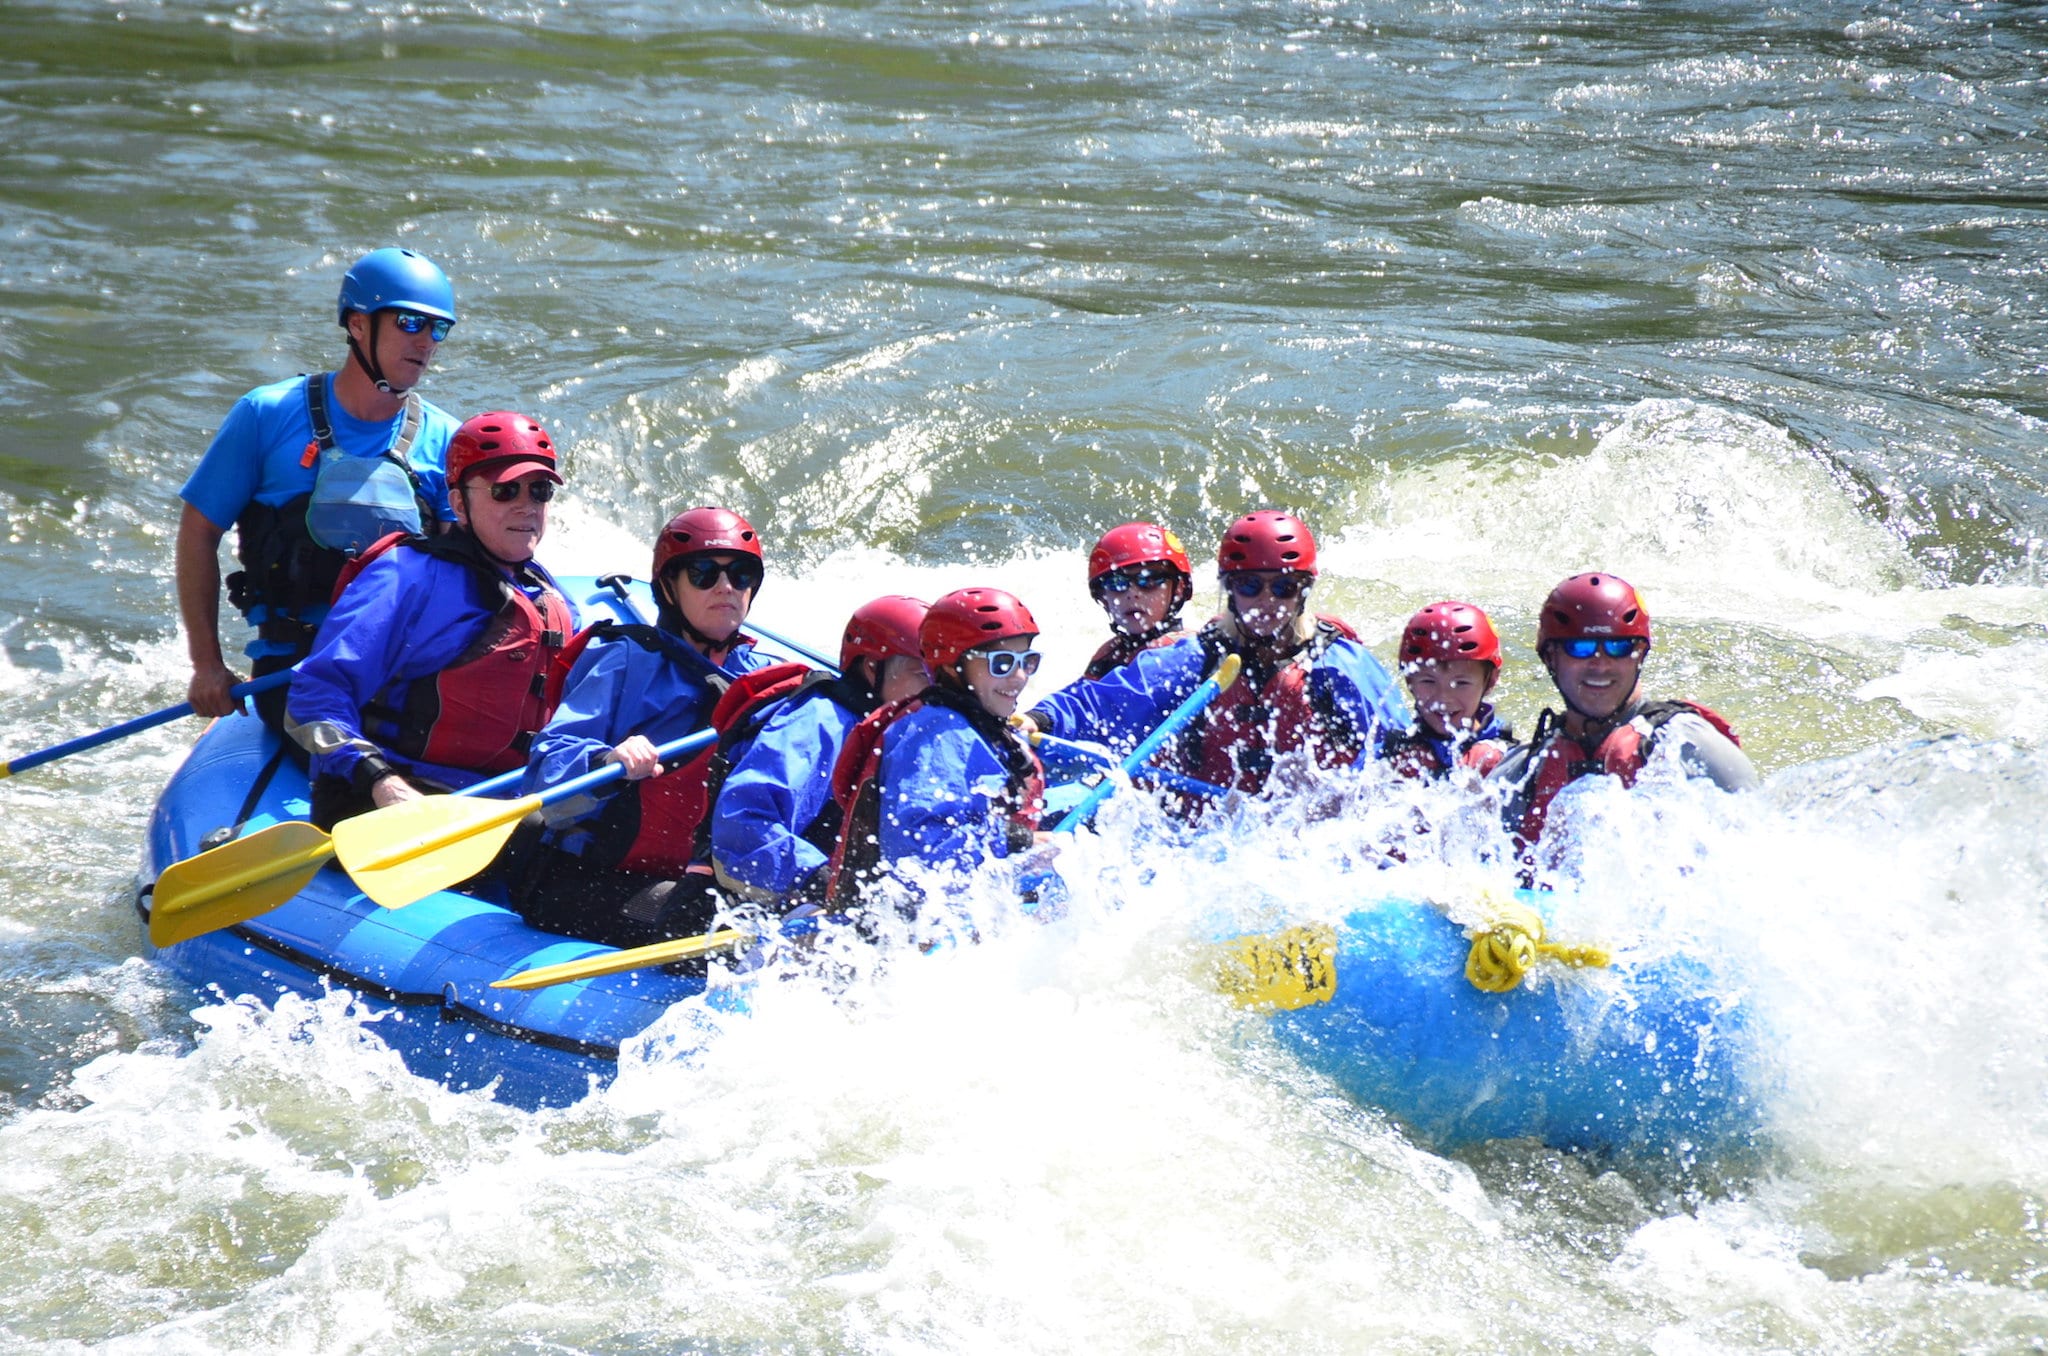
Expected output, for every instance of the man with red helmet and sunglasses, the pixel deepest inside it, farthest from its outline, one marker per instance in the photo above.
(773, 824)
(1139, 574)
(1593, 636)
(429, 672)
(1450, 658)
(310, 471)
(616, 866)
(1310, 691)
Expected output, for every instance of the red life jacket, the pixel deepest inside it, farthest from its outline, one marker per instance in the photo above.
(481, 712)
(651, 826)
(1554, 760)
(1121, 649)
(1266, 715)
(856, 787)
(1422, 755)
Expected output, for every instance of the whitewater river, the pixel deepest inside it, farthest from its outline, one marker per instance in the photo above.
(1743, 301)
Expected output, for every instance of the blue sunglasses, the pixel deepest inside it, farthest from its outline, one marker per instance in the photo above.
(1585, 647)
(1124, 580)
(412, 322)
(1281, 586)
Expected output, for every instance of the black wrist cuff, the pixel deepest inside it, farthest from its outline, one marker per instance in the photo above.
(369, 770)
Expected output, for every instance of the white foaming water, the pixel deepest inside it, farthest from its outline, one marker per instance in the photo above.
(1709, 511)
(1064, 1138)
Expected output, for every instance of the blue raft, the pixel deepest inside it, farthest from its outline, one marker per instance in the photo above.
(1646, 1061)
(1650, 1060)
(427, 969)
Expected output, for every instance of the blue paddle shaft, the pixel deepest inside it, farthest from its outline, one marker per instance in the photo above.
(1136, 758)
(135, 726)
(676, 748)
(1172, 781)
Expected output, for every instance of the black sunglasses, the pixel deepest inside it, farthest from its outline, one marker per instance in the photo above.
(744, 572)
(412, 322)
(1585, 647)
(1121, 580)
(1281, 586)
(539, 491)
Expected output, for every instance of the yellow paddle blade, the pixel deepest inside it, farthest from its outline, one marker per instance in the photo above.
(1227, 671)
(612, 962)
(236, 881)
(403, 853)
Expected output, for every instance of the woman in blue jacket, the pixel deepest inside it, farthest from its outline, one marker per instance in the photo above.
(610, 864)
(943, 779)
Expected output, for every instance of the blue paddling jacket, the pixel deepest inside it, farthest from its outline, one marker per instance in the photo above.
(773, 822)
(630, 680)
(1329, 698)
(429, 664)
(935, 779)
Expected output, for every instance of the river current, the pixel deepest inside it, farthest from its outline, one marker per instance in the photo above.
(1742, 301)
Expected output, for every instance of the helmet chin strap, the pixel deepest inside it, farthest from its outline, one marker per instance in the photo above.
(368, 362)
(1280, 644)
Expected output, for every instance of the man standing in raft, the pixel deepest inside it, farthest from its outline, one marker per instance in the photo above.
(1593, 636)
(1311, 692)
(1141, 577)
(311, 471)
(430, 671)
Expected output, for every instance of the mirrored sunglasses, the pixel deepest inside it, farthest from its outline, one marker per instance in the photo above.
(539, 491)
(412, 322)
(1002, 663)
(745, 573)
(1121, 580)
(1585, 647)
(1281, 586)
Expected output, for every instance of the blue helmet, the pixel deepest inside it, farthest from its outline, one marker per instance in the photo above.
(385, 278)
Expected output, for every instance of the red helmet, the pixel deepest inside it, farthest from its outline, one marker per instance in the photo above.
(1449, 630)
(883, 629)
(1593, 605)
(1142, 544)
(1137, 544)
(502, 446)
(698, 530)
(967, 619)
(1268, 540)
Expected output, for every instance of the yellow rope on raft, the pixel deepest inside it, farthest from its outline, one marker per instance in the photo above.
(1507, 943)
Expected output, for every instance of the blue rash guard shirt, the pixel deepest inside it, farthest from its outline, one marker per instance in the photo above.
(779, 785)
(259, 455)
(407, 616)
